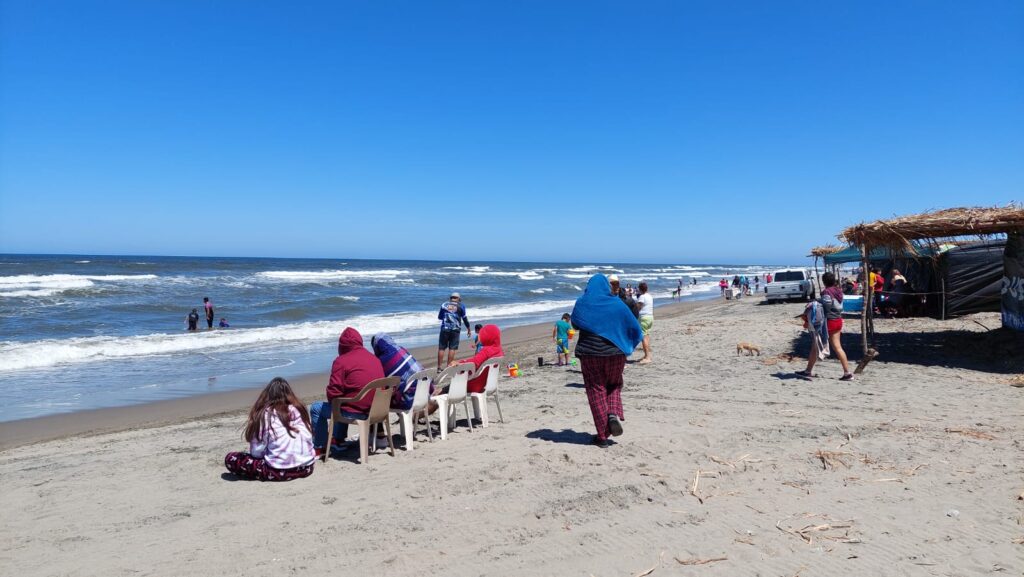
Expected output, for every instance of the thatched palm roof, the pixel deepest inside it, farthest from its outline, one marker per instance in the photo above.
(897, 233)
(820, 251)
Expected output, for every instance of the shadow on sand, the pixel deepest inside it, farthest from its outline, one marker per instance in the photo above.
(564, 436)
(995, 351)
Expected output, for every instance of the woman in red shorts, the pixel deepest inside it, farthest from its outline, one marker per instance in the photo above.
(832, 303)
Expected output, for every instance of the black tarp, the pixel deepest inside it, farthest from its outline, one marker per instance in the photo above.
(973, 275)
(1013, 282)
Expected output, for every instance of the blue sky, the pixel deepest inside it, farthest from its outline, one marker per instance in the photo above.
(616, 131)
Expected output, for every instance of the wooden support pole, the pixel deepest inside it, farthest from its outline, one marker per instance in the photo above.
(817, 276)
(867, 299)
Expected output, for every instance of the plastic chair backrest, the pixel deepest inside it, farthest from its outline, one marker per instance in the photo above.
(422, 381)
(381, 406)
(493, 368)
(459, 375)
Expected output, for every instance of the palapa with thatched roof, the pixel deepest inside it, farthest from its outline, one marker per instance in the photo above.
(898, 234)
(820, 251)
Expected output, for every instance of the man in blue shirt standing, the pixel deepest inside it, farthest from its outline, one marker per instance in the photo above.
(451, 315)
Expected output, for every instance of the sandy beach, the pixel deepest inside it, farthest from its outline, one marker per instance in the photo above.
(729, 465)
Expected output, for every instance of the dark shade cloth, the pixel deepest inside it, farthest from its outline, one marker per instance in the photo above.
(604, 314)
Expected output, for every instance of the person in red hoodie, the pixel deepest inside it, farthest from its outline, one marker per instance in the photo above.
(490, 338)
(353, 368)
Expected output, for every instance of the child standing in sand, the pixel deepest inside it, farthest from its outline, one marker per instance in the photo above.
(560, 335)
(279, 435)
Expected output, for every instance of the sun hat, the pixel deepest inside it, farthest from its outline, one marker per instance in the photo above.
(613, 278)
(455, 296)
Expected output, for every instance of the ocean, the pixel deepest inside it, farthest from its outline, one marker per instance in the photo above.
(83, 332)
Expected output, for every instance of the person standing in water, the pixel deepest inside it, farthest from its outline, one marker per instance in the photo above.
(209, 312)
(193, 320)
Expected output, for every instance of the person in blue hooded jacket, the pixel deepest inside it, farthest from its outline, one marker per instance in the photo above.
(397, 362)
(608, 332)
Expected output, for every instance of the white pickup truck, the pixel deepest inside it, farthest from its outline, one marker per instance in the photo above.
(790, 284)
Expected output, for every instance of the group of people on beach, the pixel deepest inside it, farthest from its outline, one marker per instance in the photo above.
(285, 438)
(741, 284)
(192, 320)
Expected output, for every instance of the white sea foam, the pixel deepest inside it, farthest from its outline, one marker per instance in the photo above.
(518, 309)
(687, 290)
(83, 261)
(330, 275)
(468, 268)
(52, 352)
(540, 290)
(530, 275)
(33, 293)
(29, 285)
(594, 267)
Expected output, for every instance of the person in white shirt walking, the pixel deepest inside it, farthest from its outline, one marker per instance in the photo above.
(646, 302)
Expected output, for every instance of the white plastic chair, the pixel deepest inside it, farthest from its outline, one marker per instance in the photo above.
(421, 381)
(446, 402)
(378, 413)
(479, 400)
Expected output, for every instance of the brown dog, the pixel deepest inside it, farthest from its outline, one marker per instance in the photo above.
(749, 348)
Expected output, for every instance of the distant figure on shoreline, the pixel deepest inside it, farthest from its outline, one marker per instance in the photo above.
(224, 323)
(209, 312)
(193, 320)
(646, 318)
(451, 315)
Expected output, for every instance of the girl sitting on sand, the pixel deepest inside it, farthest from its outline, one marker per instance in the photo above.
(280, 441)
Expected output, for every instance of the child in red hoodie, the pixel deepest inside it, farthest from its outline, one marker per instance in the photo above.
(490, 338)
